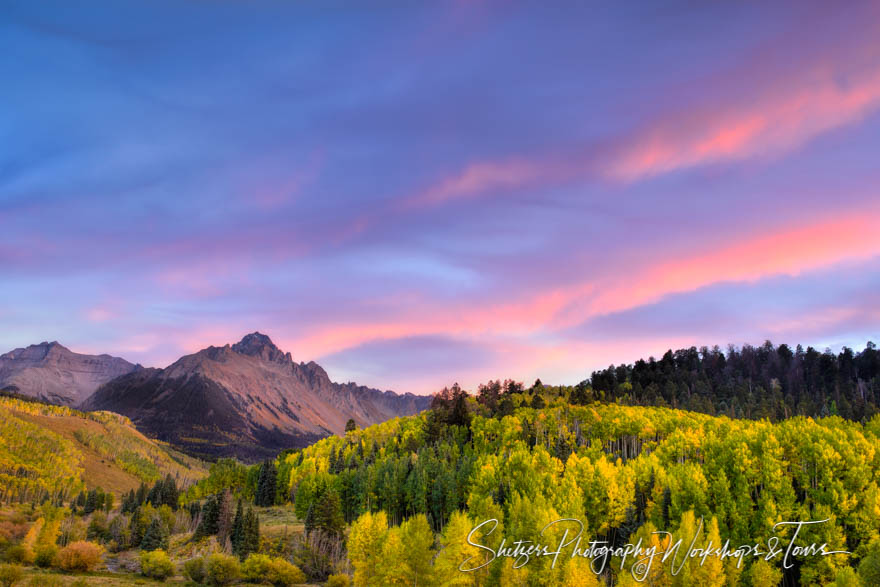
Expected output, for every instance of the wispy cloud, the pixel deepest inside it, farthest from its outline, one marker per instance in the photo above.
(784, 119)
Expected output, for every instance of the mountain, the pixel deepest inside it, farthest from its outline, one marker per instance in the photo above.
(248, 400)
(53, 373)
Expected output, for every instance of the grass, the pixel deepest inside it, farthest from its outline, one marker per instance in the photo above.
(279, 521)
(95, 578)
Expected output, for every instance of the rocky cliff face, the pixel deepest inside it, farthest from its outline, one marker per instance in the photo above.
(249, 400)
(50, 372)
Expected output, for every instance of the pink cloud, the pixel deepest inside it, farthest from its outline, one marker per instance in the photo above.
(784, 110)
(780, 120)
(791, 250)
(476, 179)
(101, 314)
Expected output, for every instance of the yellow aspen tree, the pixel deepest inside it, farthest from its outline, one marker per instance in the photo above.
(711, 572)
(455, 552)
(764, 574)
(365, 545)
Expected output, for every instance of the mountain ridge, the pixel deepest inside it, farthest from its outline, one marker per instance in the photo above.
(249, 400)
(52, 372)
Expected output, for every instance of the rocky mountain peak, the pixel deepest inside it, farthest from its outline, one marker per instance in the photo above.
(52, 372)
(261, 346)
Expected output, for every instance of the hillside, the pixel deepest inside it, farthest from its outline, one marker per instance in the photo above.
(51, 372)
(248, 400)
(623, 471)
(57, 451)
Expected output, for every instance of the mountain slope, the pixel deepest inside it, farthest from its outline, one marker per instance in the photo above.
(51, 372)
(248, 400)
(47, 450)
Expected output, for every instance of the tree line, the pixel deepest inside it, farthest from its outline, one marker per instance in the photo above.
(767, 381)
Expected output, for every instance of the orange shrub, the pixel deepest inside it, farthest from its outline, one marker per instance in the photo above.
(12, 530)
(80, 556)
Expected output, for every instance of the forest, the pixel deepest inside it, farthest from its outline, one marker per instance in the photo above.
(768, 381)
(411, 489)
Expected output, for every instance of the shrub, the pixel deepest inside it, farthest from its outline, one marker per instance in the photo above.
(259, 568)
(80, 556)
(337, 581)
(222, 569)
(256, 568)
(156, 564)
(284, 574)
(10, 574)
(17, 554)
(44, 555)
(194, 569)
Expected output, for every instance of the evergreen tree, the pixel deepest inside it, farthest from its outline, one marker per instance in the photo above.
(94, 501)
(208, 523)
(238, 529)
(489, 395)
(155, 494)
(128, 502)
(460, 415)
(328, 514)
(580, 395)
(505, 406)
(266, 485)
(141, 496)
(251, 536)
(667, 502)
(169, 493)
(155, 537)
(194, 510)
(351, 425)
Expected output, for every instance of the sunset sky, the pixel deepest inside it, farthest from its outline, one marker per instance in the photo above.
(419, 193)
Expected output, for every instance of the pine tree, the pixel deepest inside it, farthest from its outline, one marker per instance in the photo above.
(169, 493)
(155, 537)
(328, 513)
(92, 502)
(237, 537)
(251, 535)
(155, 495)
(333, 461)
(667, 502)
(208, 523)
(266, 485)
(351, 425)
(460, 415)
(128, 502)
(141, 496)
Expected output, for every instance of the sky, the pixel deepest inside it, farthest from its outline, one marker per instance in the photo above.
(414, 194)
